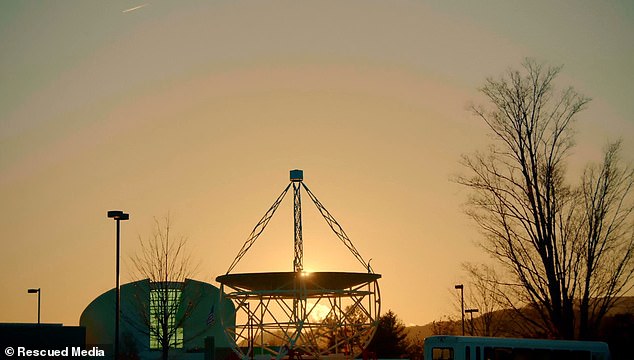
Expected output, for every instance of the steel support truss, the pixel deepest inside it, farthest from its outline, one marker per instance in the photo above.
(304, 324)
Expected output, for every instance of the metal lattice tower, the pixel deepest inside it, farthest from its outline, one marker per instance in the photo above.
(297, 176)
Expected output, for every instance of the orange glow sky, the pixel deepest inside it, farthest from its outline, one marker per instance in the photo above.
(201, 109)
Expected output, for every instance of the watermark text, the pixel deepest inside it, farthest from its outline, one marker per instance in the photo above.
(74, 351)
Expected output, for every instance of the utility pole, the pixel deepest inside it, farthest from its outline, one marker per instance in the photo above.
(461, 288)
(117, 215)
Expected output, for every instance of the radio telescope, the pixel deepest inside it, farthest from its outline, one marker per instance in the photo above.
(300, 314)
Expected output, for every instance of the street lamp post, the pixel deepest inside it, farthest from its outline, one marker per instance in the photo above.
(117, 215)
(470, 312)
(461, 287)
(38, 291)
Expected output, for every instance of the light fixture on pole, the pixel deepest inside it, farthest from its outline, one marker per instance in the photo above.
(461, 287)
(38, 291)
(470, 312)
(117, 215)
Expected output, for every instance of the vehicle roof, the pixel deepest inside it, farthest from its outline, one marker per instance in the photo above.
(516, 342)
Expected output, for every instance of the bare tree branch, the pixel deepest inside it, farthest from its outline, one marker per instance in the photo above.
(165, 264)
(570, 248)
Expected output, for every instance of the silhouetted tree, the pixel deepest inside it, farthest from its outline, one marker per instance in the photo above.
(564, 246)
(164, 261)
(448, 326)
(390, 339)
(416, 349)
(341, 339)
(485, 295)
(607, 238)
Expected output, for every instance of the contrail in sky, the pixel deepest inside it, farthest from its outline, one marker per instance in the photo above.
(134, 8)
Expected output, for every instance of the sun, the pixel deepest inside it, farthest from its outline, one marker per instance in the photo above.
(317, 312)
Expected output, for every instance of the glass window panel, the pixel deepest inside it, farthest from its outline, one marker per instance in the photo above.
(442, 354)
(165, 302)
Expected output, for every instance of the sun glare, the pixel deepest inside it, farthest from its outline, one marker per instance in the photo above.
(318, 312)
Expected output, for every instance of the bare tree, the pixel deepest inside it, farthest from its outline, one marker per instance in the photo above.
(608, 238)
(535, 223)
(446, 326)
(485, 295)
(501, 308)
(164, 261)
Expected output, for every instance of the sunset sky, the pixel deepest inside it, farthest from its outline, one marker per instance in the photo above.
(201, 108)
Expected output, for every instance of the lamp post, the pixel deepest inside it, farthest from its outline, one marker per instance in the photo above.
(461, 288)
(117, 215)
(38, 291)
(470, 312)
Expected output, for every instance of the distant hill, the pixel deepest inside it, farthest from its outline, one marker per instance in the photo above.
(418, 332)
